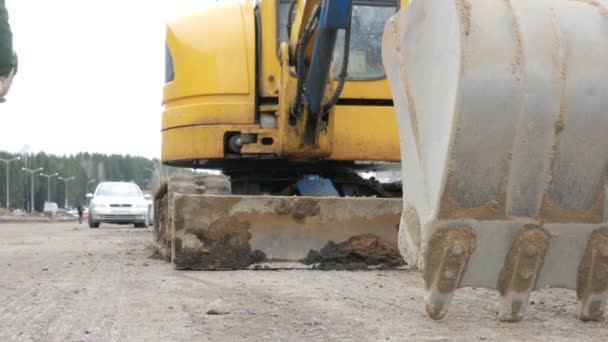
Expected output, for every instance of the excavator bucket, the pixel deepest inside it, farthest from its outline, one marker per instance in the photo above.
(205, 229)
(502, 110)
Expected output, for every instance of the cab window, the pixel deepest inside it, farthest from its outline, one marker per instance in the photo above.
(368, 21)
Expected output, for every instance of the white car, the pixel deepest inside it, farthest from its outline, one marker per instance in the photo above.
(118, 203)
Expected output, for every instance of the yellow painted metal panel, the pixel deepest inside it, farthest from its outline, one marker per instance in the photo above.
(213, 51)
(231, 109)
(198, 142)
(365, 133)
(192, 143)
(377, 90)
(269, 80)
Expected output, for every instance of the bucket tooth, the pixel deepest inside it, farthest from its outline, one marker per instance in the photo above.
(592, 286)
(447, 255)
(520, 271)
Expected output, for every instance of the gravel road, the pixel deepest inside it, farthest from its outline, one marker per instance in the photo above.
(66, 282)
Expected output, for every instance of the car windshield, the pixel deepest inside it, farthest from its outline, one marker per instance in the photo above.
(118, 189)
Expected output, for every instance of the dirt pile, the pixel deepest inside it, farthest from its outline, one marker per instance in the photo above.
(225, 245)
(357, 253)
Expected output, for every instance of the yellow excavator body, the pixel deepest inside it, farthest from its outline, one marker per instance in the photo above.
(232, 81)
(228, 75)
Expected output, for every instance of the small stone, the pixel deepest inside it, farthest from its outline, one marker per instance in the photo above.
(217, 312)
(87, 332)
(456, 251)
(449, 274)
(218, 308)
(45, 269)
(532, 302)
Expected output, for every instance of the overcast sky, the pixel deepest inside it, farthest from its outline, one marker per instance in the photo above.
(90, 76)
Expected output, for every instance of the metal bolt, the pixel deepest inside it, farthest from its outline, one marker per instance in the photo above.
(531, 250)
(449, 274)
(456, 251)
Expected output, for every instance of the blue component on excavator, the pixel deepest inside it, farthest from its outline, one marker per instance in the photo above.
(314, 185)
(335, 15)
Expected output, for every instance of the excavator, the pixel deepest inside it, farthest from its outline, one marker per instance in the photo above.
(494, 110)
(260, 100)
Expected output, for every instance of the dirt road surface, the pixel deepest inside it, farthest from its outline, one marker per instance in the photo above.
(66, 282)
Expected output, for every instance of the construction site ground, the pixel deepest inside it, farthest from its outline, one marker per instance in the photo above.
(66, 282)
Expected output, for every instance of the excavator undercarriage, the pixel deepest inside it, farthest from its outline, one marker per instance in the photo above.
(262, 220)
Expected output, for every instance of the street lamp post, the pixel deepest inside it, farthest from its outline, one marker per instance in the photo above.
(32, 185)
(48, 180)
(66, 180)
(89, 182)
(6, 162)
(152, 174)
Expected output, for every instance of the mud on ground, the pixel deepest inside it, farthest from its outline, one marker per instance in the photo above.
(357, 253)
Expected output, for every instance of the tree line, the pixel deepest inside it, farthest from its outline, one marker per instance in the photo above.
(87, 169)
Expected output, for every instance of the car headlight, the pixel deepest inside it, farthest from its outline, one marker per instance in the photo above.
(100, 205)
(141, 206)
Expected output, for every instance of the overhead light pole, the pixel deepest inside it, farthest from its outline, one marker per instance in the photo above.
(7, 162)
(48, 180)
(32, 185)
(66, 180)
(152, 173)
(89, 182)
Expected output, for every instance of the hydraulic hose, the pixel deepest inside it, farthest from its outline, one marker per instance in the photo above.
(301, 65)
(343, 72)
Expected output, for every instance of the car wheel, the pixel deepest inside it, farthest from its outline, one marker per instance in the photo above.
(91, 223)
